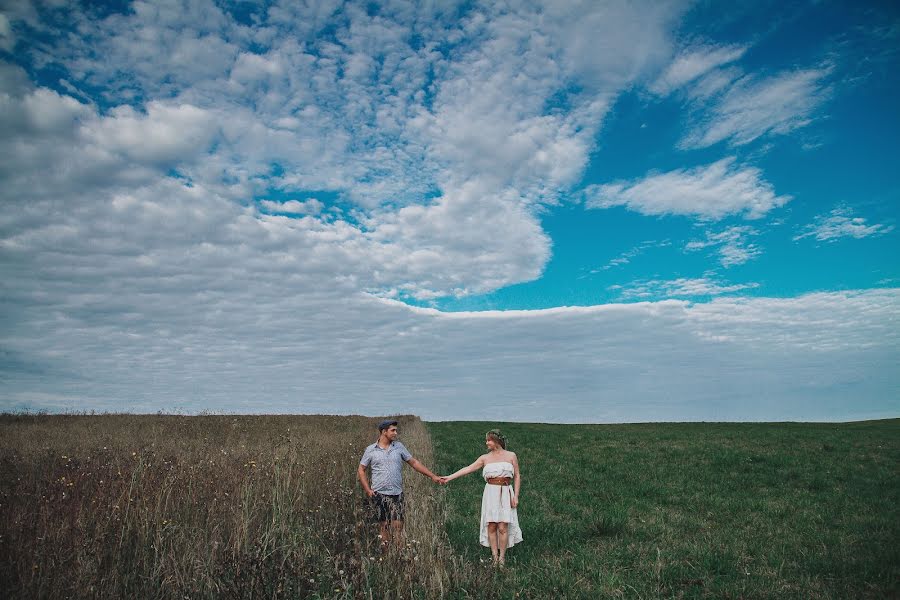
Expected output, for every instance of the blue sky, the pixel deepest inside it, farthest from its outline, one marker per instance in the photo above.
(841, 160)
(554, 211)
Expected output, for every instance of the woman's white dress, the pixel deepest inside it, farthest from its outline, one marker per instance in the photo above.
(495, 503)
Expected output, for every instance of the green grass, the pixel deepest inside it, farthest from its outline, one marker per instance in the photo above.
(686, 510)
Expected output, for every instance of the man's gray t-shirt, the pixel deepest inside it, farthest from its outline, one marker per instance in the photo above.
(387, 467)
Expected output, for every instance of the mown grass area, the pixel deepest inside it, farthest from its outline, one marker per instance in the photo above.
(130, 506)
(686, 510)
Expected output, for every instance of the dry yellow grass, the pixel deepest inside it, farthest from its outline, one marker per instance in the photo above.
(116, 506)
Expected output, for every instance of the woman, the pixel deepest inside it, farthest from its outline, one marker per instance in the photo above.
(499, 521)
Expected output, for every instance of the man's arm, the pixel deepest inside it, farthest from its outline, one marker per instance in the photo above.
(361, 473)
(415, 464)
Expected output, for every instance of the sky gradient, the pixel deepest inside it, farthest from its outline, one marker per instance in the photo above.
(555, 211)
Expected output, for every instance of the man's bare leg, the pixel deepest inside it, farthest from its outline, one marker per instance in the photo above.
(385, 534)
(397, 533)
(503, 540)
(492, 538)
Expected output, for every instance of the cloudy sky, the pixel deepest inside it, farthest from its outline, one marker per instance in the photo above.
(559, 211)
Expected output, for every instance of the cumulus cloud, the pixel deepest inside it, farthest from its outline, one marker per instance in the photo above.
(731, 244)
(712, 192)
(841, 223)
(310, 206)
(447, 184)
(415, 237)
(165, 134)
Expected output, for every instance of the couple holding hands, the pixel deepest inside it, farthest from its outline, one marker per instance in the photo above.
(500, 469)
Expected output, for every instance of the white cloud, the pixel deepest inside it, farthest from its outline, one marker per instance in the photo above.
(310, 206)
(841, 223)
(816, 357)
(682, 287)
(731, 244)
(728, 104)
(42, 112)
(490, 240)
(693, 63)
(626, 257)
(711, 192)
(7, 39)
(139, 274)
(754, 107)
(448, 182)
(166, 134)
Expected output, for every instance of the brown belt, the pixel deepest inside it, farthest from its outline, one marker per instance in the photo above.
(501, 481)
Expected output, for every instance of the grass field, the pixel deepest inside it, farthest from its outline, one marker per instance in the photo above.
(690, 510)
(124, 506)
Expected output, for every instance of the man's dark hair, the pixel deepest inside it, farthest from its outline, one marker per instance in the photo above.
(385, 424)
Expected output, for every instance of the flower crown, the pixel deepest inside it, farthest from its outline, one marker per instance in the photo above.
(496, 434)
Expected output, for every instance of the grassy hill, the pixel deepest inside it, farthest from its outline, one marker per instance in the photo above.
(157, 506)
(690, 510)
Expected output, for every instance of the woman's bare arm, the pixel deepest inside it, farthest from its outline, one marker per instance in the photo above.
(466, 470)
(517, 483)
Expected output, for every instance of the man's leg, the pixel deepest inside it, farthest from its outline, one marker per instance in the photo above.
(385, 528)
(394, 520)
(492, 538)
(381, 514)
(397, 533)
(502, 539)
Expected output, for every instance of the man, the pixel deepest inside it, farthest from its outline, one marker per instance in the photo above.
(386, 458)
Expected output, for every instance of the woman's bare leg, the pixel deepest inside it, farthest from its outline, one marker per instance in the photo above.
(503, 539)
(492, 537)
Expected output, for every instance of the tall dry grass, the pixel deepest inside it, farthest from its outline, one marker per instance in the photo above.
(117, 506)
